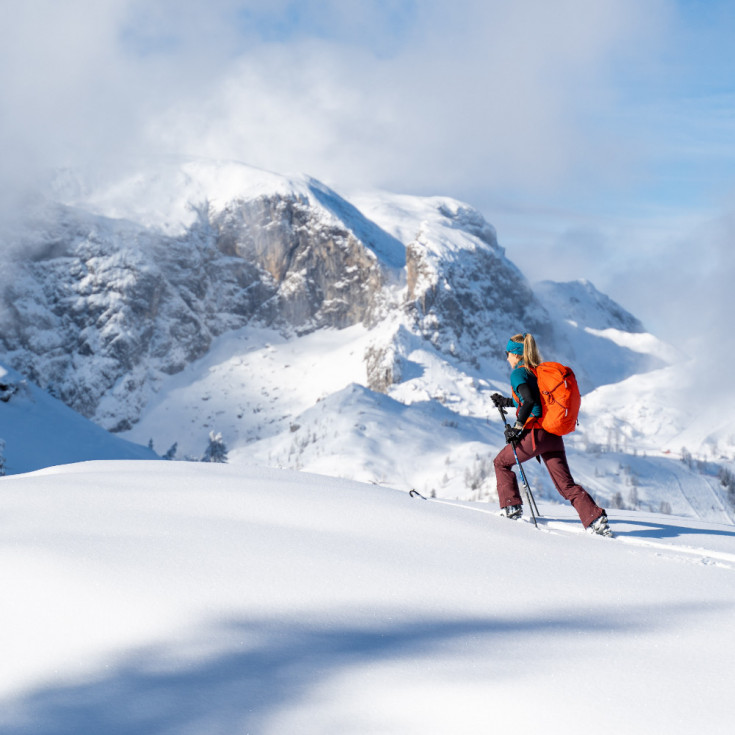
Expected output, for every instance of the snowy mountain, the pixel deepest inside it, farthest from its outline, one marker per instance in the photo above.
(356, 337)
(171, 597)
(118, 289)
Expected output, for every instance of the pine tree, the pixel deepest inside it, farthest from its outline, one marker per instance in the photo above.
(216, 451)
(171, 453)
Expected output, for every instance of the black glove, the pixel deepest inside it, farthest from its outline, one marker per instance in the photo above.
(501, 401)
(513, 434)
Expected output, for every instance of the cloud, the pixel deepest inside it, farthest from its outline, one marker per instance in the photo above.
(82, 79)
(475, 93)
(415, 96)
(52, 68)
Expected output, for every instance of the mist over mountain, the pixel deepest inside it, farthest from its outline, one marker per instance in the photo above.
(203, 297)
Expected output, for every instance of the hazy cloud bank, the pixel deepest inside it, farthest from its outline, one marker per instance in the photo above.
(529, 110)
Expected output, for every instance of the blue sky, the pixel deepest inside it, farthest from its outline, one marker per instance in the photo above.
(596, 136)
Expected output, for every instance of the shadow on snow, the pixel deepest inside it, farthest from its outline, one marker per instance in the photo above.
(256, 669)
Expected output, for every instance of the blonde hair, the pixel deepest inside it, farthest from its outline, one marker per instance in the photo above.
(531, 355)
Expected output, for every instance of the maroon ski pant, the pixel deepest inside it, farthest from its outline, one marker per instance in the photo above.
(550, 447)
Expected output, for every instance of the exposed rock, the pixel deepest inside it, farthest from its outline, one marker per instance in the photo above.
(383, 367)
(470, 303)
(323, 275)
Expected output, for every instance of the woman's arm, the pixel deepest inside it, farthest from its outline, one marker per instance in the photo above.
(527, 403)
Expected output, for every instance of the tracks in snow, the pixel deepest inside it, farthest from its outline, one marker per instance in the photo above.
(627, 531)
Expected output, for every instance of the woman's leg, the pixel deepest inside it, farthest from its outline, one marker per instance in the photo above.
(558, 467)
(508, 491)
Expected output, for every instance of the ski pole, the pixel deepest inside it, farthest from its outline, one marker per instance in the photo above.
(526, 487)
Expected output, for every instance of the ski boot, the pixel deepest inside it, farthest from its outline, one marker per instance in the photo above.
(599, 526)
(512, 511)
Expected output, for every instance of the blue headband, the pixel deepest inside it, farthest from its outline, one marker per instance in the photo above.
(515, 347)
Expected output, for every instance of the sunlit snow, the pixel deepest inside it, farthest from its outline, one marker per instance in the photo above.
(171, 597)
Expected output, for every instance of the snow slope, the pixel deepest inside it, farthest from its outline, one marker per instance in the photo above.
(39, 431)
(166, 597)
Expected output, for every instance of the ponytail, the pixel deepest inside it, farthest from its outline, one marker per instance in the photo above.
(531, 354)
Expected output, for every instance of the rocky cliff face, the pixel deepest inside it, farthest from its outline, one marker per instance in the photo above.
(320, 274)
(469, 302)
(99, 309)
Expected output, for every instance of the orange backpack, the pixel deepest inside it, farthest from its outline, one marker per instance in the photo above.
(560, 398)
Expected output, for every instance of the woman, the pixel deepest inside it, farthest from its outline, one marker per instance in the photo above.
(530, 440)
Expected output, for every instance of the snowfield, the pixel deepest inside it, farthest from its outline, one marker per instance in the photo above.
(190, 598)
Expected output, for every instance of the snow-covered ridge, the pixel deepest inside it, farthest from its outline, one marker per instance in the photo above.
(580, 302)
(165, 196)
(641, 342)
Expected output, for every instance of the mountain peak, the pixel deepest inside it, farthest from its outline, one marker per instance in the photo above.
(579, 301)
